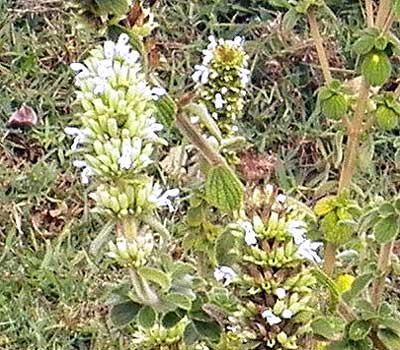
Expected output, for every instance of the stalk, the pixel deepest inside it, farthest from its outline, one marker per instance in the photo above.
(383, 267)
(370, 12)
(314, 30)
(385, 7)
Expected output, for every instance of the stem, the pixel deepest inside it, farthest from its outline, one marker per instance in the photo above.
(190, 132)
(370, 13)
(314, 30)
(385, 7)
(353, 142)
(383, 268)
(329, 258)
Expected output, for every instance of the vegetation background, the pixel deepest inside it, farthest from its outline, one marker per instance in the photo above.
(53, 293)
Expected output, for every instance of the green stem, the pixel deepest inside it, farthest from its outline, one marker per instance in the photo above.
(378, 285)
(329, 258)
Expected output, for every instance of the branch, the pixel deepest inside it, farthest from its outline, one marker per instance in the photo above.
(370, 13)
(314, 30)
(385, 7)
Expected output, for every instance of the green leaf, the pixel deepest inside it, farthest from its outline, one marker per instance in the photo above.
(359, 330)
(209, 330)
(223, 189)
(386, 118)
(191, 335)
(328, 283)
(387, 209)
(376, 68)
(170, 319)
(390, 339)
(386, 229)
(381, 43)
(335, 107)
(321, 326)
(360, 284)
(179, 300)
(147, 317)
(124, 313)
(226, 249)
(166, 110)
(115, 7)
(390, 323)
(290, 19)
(156, 276)
(364, 44)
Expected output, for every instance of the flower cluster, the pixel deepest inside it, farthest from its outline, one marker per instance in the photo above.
(223, 77)
(118, 131)
(115, 144)
(275, 278)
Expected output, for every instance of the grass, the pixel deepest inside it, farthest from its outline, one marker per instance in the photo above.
(53, 293)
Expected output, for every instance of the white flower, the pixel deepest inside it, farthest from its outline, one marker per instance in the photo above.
(86, 171)
(297, 229)
(194, 120)
(152, 128)
(162, 199)
(80, 135)
(235, 128)
(281, 198)
(225, 273)
(201, 74)
(280, 293)
(224, 90)
(157, 92)
(271, 318)
(100, 86)
(250, 236)
(244, 75)
(287, 314)
(219, 101)
(83, 71)
(125, 161)
(109, 49)
(238, 41)
(307, 250)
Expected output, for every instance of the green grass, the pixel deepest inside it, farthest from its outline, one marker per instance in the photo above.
(53, 293)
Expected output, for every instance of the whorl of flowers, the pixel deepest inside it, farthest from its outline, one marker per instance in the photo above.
(222, 79)
(118, 134)
(276, 281)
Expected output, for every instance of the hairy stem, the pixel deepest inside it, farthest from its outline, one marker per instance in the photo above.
(383, 267)
(314, 30)
(353, 142)
(385, 7)
(370, 12)
(329, 258)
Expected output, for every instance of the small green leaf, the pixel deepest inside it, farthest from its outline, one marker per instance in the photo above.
(390, 323)
(328, 283)
(387, 209)
(386, 118)
(321, 326)
(166, 110)
(191, 335)
(156, 276)
(381, 43)
(335, 107)
(290, 19)
(115, 7)
(376, 68)
(386, 229)
(364, 44)
(390, 339)
(223, 189)
(360, 284)
(147, 317)
(359, 330)
(170, 319)
(124, 313)
(208, 330)
(179, 300)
